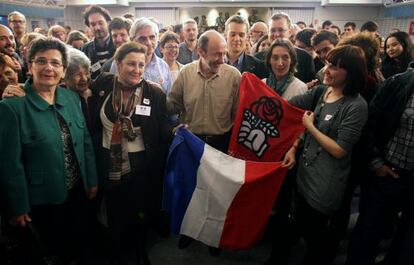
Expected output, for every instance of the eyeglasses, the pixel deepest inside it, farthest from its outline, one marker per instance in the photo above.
(257, 32)
(171, 47)
(44, 62)
(17, 21)
(145, 39)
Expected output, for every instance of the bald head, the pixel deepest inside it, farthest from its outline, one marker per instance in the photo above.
(258, 30)
(212, 50)
(209, 39)
(7, 42)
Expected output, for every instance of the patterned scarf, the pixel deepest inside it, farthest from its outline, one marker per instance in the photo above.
(122, 131)
(279, 86)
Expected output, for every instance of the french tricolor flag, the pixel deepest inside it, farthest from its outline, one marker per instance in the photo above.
(217, 199)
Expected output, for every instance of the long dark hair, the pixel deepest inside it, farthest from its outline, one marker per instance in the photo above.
(404, 39)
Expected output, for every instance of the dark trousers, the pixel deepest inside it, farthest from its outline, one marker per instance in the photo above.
(381, 197)
(315, 228)
(124, 239)
(62, 229)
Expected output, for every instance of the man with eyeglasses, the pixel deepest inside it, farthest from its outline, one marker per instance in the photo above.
(188, 48)
(101, 48)
(236, 29)
(145, 32)
(280, 26)
(257, 30)
(17, 23)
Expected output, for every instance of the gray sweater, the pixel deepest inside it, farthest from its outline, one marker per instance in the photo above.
(322, 178)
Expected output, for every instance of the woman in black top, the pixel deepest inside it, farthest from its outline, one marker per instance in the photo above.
(130, 131)
(398, 54)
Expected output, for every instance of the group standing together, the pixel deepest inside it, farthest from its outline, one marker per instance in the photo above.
(85, 139)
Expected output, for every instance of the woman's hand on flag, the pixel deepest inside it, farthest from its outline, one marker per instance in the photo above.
(289, 160)
(176, 128)
(307, 119)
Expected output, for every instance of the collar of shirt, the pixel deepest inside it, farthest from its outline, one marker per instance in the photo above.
(34, 97)
(154, 59)
(186, 46)
(107, 42)
(239, 62)
(203, 75)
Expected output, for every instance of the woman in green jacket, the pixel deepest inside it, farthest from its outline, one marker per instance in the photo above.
(48, 168)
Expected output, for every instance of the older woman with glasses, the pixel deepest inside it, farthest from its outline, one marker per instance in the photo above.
(130, 130)
(51, 165)
(170, 48)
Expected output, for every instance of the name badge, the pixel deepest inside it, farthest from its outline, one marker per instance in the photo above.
(146, 101)
(143, 110)
(328, 117)
(96, 66)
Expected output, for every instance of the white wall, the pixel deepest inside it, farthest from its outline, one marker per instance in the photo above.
(74, 18)
(185, 13)
(402, 23)
(340, 15)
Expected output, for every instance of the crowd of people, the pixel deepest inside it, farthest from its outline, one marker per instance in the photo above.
(86, 119)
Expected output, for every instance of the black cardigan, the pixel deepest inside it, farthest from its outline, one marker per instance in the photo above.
(385, 112)
(156, 131)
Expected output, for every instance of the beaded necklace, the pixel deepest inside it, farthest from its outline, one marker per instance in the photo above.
(321, 104)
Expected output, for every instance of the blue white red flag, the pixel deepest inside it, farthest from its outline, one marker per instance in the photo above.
(217, 199)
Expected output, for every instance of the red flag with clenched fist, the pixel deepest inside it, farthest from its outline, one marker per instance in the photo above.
(265, 125)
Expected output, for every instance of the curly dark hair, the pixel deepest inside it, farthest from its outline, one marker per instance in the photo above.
(95, 9)
(369, 44)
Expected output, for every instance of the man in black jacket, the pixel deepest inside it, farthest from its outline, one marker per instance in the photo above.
(390, 187)
(280, 25)
(236, 32)
(101, 48)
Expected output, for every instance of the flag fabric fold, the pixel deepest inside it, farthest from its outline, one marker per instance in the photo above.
(217, 199)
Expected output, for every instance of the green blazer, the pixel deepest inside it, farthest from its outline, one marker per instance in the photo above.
(32, 170)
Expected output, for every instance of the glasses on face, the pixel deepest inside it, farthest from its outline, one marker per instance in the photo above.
(145, 39)
(44, 62)
(171, 47)
(17, 21)
(257, 32)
